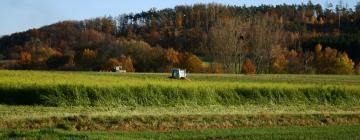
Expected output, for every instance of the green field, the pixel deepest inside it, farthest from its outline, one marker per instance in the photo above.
(111, 89)
(48, 105)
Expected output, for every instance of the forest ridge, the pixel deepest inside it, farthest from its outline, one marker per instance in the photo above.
(212, 38)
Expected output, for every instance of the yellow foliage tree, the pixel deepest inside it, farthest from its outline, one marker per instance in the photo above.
(87, 53)
(330, 61)
(279, 64)
(343, 64)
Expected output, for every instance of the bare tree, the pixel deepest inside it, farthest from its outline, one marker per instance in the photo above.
(227, 44)
(263, 36)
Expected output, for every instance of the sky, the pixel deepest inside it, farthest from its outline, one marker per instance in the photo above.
(21, 15)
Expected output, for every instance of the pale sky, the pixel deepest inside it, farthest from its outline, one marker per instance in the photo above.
(21, 15)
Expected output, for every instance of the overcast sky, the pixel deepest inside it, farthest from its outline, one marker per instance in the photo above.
(21, 15)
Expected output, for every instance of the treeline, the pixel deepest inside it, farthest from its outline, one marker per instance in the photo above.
(214, 38)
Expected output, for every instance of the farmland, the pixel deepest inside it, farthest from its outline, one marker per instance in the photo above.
(141, 105)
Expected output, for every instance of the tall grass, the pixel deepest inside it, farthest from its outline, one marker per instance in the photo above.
(101, 89)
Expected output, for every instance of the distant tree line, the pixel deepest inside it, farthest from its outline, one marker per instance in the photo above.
(214, 38)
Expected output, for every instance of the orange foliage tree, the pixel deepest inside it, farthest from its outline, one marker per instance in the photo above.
(248, 67)
(192, 63)
(25, 57)
(127, 63)
(110, 64)
(172, 58)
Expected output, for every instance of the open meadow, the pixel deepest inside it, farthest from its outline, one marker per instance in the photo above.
(48, 105)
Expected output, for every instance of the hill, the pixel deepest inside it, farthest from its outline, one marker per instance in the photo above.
(276, 39)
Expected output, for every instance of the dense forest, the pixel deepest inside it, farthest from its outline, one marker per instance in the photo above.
(212, 38)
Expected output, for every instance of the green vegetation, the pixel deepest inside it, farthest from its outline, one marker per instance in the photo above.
(173, 118)
(111, 89)
(313, 133)
(68, 105)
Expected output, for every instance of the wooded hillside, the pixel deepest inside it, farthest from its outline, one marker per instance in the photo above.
(211, 38)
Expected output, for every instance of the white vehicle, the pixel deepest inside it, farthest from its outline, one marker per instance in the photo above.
(177, 73)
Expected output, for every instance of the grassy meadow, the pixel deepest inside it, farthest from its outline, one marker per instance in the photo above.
(100, 105)
(113, 89)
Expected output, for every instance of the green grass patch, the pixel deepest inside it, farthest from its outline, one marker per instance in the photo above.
(113, 89)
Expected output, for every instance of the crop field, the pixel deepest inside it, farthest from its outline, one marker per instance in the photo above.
(100, 105)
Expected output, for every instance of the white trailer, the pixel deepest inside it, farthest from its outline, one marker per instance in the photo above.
(177, 73)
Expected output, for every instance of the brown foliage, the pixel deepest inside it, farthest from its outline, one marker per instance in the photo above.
(248, 67)
(89, 37)
(172, 56)
(25, 57)
(330, 61)
(279, 64)
(127, 64)
(110, 64)
(192, 63)
(87, 53)
(318, 48)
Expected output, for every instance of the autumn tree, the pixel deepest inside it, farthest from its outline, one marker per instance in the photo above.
(88, 60)
(107, 25)
(110, 64)
(39, 50)
(127, 63)
(87, 53)
(90, 37)
(263, 36)
(330, 61)
(172, 58)
(295, 62)
(192, 63)
(248, 67)
(343, 64)
(279, 60)
(25, 57)
(279, 64)
(42, 53)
